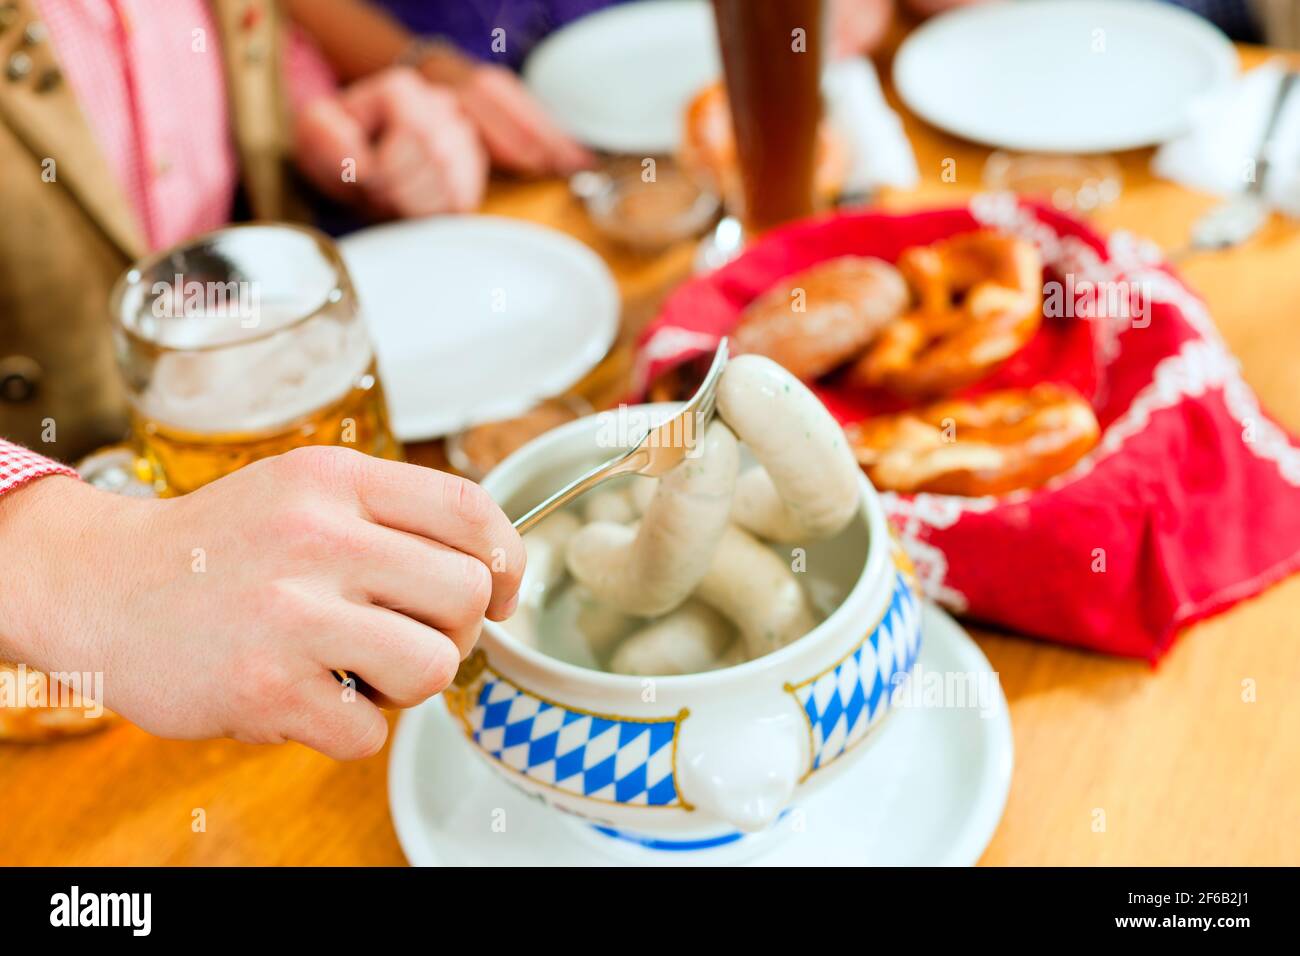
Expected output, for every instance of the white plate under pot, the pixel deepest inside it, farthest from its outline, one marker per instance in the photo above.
(929, 792)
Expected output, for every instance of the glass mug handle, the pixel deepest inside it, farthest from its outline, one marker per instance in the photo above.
(119, 469)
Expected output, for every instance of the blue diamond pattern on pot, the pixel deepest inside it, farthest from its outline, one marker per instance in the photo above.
(842, 704)
(604, 758)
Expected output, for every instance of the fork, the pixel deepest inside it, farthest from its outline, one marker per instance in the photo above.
(1236, 220)
(661, 449)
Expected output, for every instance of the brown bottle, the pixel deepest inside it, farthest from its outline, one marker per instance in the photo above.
(772, 57)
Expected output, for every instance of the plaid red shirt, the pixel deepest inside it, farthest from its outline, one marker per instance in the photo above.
(150, 82)
(19, 466)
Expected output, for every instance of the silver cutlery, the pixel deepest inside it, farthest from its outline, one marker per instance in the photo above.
(660, 450)
(1236, 220)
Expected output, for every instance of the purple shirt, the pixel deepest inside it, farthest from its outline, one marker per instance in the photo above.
(470, 23)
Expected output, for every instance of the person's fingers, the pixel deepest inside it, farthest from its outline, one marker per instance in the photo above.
(328, 140)
(411, 185)
(465, 173)
(432, 504)
(561, 153)
(376, 105)
(427, 581)
(401, 154)
(431, 157)
(470, 172)
(406, 118)
(570, 155)
(423, 178)
(422, 192)
(455, 151)
(376, 100)
(453, 510)
(401, 660)
(859, 26)
(338, 724)
(429, 503)
(510, 117)
(512, 146)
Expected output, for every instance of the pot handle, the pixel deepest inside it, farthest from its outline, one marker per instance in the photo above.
(743, 772)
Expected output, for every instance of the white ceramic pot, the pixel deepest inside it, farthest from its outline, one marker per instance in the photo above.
(697, 761)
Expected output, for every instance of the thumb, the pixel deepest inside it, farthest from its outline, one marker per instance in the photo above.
(371, 102)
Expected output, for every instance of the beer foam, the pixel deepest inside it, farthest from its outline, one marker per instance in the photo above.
(259, 385)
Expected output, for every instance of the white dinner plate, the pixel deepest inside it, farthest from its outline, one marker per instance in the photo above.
(477, 318)
(1063, 76)
(620, 78)
(946, 772)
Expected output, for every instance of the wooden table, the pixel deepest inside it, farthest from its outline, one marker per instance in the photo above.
(1185, 771)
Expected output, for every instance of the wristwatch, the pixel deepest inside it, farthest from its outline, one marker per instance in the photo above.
(437, 57)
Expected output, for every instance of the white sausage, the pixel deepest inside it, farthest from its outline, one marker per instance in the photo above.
(600, 625)
(758, 592)
(643, 492)
(650, 569)
(691, 639)
(615, 504)
(545, 547)
(733, 655)
(807, 486)
(576, 628)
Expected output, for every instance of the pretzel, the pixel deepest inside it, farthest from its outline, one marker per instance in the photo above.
(25, 724)
(708, 148)
(818, 319)
(998, 442)
(979, 299)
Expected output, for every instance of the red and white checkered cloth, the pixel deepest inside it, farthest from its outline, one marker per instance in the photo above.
(18, 466)
(1189, 503)
(150, 82)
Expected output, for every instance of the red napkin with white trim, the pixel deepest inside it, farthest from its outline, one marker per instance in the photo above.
(1189, 503)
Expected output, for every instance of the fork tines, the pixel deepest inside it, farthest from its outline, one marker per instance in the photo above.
(705, 398)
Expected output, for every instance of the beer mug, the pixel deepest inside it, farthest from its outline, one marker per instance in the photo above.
(240, 344)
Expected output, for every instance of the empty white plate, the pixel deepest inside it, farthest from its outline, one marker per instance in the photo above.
(930, 791)
(1063, 76)
(620, 78)
(477, 318)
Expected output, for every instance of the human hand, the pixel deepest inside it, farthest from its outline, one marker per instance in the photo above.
(224, 612)
(394, 143)
(928, 8)
(516, 130)
(858, 26)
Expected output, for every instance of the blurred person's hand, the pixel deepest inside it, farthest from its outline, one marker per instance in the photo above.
(223, 612)
(403, 143)
(928, 8)
(518, 133)
(858, 26)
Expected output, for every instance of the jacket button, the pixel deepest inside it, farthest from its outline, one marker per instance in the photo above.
(35, 33)
(19, 378)
(19, 65)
